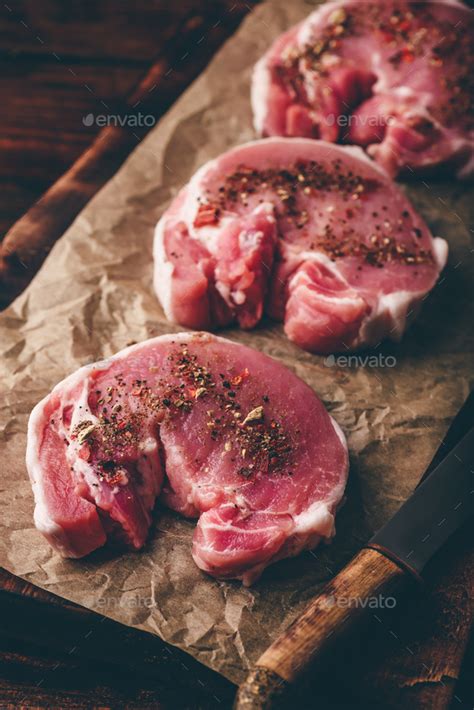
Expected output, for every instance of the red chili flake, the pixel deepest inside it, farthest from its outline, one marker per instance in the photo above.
(407, 55)
(237, 380)
(117, 477)
(122, 425)
(195, 393)
(206, 214)
(404, 25)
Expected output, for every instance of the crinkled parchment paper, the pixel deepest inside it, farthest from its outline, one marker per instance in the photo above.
(94, 295)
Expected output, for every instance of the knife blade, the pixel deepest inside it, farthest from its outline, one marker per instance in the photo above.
(459, 426)
(440, 505)
(383, 539)
(391, 542)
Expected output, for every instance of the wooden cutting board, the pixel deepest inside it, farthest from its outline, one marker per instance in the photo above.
(414, 658)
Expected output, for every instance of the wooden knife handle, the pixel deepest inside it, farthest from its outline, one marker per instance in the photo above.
(340, 605)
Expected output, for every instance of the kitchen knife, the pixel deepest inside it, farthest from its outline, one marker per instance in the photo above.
(441, 503)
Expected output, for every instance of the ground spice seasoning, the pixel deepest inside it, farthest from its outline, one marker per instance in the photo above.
(139, 405)
(311, 177)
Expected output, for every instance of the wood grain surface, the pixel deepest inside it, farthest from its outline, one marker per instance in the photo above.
(59, 65)
(396, 658)
(54, 652)
(324, 621)
(60, 62)
(323, 626)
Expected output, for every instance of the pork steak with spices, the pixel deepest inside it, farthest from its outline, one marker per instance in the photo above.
(313, 234)
(394, 77)
(217, 430)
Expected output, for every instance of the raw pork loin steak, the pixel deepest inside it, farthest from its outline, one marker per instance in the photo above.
(314, 234)
(392, 76)
(221, 432)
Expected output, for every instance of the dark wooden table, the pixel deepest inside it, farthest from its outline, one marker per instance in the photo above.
(61, 62)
